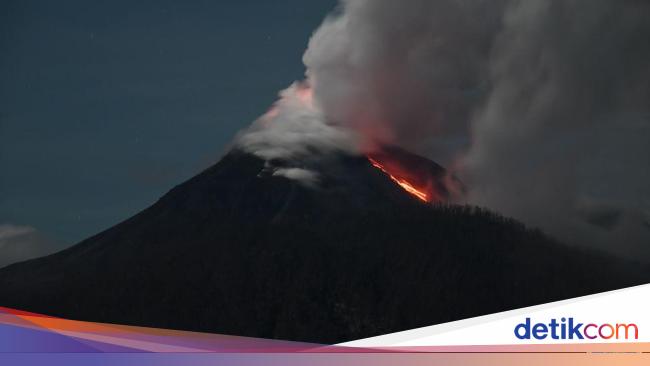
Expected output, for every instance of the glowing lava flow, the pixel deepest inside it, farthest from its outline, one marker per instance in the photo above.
(401, 182)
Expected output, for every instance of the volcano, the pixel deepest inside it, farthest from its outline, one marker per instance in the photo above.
(240, 250)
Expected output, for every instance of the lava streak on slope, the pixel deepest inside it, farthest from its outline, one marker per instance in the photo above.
(420, 194)
(419, 176)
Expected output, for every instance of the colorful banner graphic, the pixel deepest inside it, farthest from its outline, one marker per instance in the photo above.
(35, 339)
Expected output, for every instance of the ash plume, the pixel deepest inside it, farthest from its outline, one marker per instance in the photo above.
(539, 106)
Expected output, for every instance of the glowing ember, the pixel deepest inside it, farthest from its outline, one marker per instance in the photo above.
(401, 182)
(305, 93)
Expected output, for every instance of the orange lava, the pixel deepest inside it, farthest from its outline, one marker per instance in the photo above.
(400, 181)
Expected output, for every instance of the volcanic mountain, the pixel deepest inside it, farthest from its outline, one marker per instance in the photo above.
(240, 250)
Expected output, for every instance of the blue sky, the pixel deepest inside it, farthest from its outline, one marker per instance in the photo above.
(107, 105)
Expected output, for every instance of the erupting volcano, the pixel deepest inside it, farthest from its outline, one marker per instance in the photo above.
(314, 225)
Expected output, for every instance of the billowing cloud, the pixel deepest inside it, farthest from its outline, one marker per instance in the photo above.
(19, 243)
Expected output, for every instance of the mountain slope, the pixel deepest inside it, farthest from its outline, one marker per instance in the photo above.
(236, 250)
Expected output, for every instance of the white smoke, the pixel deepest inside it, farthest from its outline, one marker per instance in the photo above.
(295, 130)
(306, 176)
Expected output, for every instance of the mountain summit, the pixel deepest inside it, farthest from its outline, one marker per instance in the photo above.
(241, 250)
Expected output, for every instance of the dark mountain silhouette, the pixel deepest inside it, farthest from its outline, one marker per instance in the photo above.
(236, 250)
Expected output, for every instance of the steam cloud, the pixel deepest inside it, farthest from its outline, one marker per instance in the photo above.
(540, 106)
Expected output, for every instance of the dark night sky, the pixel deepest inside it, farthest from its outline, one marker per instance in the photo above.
(107, 105)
